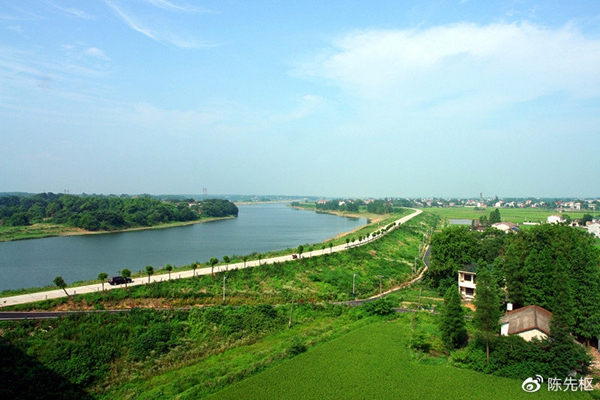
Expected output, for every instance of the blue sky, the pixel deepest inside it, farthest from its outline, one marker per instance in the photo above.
(331, 98)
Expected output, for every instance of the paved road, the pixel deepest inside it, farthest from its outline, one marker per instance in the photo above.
(53, 294)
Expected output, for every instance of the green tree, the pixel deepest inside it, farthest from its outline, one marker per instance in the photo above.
(60, 282)
(149, 271)
(194, 266)
(487, 307)
(213, 261)
(451, 250)
(300, 250)
(494, 217)
(169, 268)
(585, 219)
(126, 273)
(566, 354)
(18, 219)
(452, 320)
(330, 247)
(226, 260)
(102, 277)
(245, 258)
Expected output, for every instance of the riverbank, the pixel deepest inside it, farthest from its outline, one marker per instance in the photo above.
(14, 297)
(45, 230)
(371, 218)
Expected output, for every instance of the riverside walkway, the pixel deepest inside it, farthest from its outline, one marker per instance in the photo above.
(53, 294)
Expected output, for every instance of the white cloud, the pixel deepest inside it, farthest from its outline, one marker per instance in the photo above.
(496, 63)
(97, 53)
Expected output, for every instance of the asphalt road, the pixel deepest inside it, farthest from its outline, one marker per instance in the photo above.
(53, 294)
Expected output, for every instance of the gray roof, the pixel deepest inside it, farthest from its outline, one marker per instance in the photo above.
(527, 318)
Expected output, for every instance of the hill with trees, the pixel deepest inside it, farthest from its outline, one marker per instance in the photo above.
(106, 213)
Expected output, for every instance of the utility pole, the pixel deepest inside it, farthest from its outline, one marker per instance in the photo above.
(291, 311)
(225, 277)
(380, 286)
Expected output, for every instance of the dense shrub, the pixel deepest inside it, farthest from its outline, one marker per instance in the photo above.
(381, 306)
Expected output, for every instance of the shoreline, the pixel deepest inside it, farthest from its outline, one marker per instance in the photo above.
(70, 231)
(33, 294)
(372, 218)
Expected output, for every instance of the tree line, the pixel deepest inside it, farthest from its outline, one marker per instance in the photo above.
(97, 213)
(525, 267)
(549, 265)
(374, 207)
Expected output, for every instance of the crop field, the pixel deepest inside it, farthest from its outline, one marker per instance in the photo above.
(375, 362)
(516, 215)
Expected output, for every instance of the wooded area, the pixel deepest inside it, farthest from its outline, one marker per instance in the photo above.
(526, 264)
(103, 213)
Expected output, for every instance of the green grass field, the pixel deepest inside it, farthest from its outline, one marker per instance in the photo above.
(516, 215)
(374, 362)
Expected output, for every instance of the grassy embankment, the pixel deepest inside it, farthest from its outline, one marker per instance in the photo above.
(324, 247)
(173, 352)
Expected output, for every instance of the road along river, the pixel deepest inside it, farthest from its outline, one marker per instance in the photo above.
(258, 228)
(29, 298)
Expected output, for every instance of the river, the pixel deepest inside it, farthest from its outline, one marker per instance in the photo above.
(258, 228)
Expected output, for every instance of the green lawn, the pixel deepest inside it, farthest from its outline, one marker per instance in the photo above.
(374, 362)
(516, 215)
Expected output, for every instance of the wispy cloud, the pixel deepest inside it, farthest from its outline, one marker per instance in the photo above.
(166, 5)
(97, 53)
(71, 12)
(307, 105)
(15, 28)
(153, 26)
(131, 21)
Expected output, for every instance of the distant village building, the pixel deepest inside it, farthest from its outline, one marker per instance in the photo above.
(555, 219)
(527, 322)
(594, 229)
(506, 226)
(467, 284)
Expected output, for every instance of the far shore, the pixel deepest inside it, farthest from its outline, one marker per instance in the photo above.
(371, 218)
(61, 230)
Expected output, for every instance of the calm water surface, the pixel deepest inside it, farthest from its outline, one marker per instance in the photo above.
(258, 228)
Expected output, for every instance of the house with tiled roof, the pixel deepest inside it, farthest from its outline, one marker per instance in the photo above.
(506, 226)
(527, 322)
